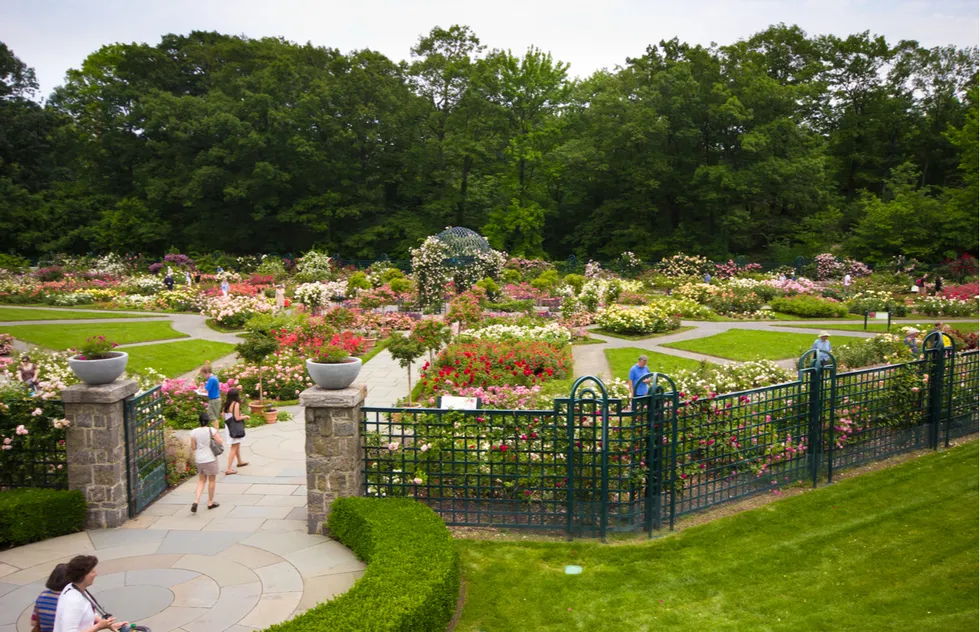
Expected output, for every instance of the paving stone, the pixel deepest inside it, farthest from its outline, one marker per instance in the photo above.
(108, 581)
(172, 618)
(165, 577)
(282, 543)
(327, 558)
(132, 550)
(326, 587)
(135, 603)
(233, 603)
(281, 577)
(200, 592)
(271, 490)
(299, 513)
(284, 525)
(282, 501)
(277, 513)
(247, 525)
(223, 571)
(250, 556)
(14, 602)
(272, 608)
(6, 588)
(159, 509)
(137, 563)
(110, 538)
(6, 569)
(142, 521)
(200, 543)
(190, 522)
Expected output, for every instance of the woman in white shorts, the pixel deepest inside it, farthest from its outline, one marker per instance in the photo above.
(232, 414)
(207, 462)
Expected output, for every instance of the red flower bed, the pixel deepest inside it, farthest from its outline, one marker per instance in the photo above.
(486, 363)
(261, 279)
(235, 289)
(965, 292)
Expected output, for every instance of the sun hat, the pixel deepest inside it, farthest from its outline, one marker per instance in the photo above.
(824, 333)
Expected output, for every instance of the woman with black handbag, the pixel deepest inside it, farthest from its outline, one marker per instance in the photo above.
(234, 429)
(207, 445)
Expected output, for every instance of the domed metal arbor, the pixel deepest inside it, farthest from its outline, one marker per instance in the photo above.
(463, 245)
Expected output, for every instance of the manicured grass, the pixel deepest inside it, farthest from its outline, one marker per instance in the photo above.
(213, 325)
(611, 334)
(176, 358)
(12, 314)
(378, 348)
(587, 341)
(621, 360)
(965, 327)
(747, 344)
(890, 550)
(61, 337)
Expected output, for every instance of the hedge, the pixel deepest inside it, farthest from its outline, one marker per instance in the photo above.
(29, 515)
(809, 306)
(412, 579)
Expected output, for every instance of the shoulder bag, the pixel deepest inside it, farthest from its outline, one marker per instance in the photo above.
(216, 448)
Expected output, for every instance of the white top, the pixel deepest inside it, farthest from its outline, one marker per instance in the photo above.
(847, 279)
(74, 612)
(202, 436)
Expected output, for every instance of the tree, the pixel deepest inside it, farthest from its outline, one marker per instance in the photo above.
(406, 350)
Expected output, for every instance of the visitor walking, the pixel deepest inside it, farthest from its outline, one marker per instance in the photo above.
(912, 340)
(939, 285)
(234, 429)
(225, 288)
(638, 371)
(847, 284)
(280, 297)
(169, 281)
(205, 459)
(707, 277)
(212, 388)
(822, 346)
(78, 611)
(27, 372)
(187, 278)
(46, 604)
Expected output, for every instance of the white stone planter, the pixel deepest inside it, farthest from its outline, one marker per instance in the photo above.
(103, 371)
(334, 376)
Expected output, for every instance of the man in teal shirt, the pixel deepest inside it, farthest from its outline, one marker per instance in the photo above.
(637, 372)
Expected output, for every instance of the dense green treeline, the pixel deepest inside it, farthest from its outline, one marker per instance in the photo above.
(775, 146)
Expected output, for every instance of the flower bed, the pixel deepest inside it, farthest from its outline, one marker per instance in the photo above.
(233, 312)
(809, 306)
(875, 301)
(642, 320)
(552, 333)
(488, 363)
(944, 306)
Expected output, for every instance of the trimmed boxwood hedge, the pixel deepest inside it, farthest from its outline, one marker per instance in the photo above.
(412, 579)
(809, 307)
(29, 515)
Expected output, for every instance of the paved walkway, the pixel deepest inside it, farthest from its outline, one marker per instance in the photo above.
(243, 566)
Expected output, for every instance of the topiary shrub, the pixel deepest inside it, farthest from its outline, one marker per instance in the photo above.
(412, 579)
(30, 515)
(809, 306)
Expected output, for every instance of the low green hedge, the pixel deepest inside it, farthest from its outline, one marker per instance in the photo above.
(809, 306)
(29, 515)
(412, 578)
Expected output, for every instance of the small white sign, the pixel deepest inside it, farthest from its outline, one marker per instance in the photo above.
(878, 315)
(454, 402)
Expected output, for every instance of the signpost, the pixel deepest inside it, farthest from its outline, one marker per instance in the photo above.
(878, 316)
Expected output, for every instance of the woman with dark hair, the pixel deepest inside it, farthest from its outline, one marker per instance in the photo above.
(205, 459)
(27, 372)
(46, 604)
(78, 611)
(234, 428)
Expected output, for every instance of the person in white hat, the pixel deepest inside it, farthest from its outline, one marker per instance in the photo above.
(912, 340)
(822, 346)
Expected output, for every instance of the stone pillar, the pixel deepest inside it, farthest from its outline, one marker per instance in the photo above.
(96, 444)
(333, 448)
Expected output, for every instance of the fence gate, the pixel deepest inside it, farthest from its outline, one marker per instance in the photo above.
(146, 453)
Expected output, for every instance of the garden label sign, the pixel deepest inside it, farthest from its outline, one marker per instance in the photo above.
(879, 315)
(453, 402)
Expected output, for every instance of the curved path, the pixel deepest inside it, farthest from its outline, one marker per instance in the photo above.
(245, 565)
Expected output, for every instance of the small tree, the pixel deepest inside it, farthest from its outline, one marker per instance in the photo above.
(255, 348)
(431, 334)
(406, 350)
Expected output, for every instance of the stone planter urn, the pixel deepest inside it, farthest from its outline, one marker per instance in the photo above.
(334, 376)
(104, 371)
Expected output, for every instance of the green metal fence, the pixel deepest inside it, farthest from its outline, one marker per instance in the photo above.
(40, 458)
(590, 465)
(145, 449)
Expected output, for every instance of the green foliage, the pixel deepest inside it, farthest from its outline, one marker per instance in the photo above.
(30, 515)
(73, 336)
(330, 354)
(576, 281)
(490, 287)
(745, 344)
(547, 280)
(525, 305)
(256, 347)
(175, 358)
(400, 285)
(412, 579)
(405, 349)
(864, 352)
(266, 322)
(357, 281)
(809, 306)
(509, 275)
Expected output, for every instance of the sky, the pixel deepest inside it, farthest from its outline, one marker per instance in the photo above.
(54, 35)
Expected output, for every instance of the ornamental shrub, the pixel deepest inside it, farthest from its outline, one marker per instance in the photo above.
(413, 575)
(357, 281)
(809, 306)
(865, 352)
(650, 319)
(490, 363)
(400, 285)
(30, 515)
(942, 306)
(576, 281)
(873, 301)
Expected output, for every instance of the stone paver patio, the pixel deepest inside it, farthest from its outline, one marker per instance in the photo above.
(242, 566)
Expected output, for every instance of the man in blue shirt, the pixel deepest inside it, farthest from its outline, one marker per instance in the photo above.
(638, 371)
(213, 389)
(822, 347)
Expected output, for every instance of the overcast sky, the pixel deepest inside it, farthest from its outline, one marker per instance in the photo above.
(55, 35)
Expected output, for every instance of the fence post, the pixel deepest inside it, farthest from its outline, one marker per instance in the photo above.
(96, 445)
(334, 458)
(815, 407)
(936, 370)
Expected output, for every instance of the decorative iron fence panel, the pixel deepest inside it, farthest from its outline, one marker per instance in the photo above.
(145, 449)
(592, 465)
(38, 458)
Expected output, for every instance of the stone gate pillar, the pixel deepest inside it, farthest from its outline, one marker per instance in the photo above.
(333, 448)
(96, 445)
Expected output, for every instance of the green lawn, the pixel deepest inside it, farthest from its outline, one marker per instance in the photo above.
(12, 314)
(621, 360)
(890, 550)
(611, 334)
(61, 337)
(176, 358)
(964, 326)
(748, 344)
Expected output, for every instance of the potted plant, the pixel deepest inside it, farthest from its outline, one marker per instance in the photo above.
(332, 367)
(406, 350)
(95, 362)
(271, 413)
(255, 348)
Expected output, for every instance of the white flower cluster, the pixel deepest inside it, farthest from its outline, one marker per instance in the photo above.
(336, 288)
(730, 378)
(641, 320)
(110, 264)
(943, 306)
(315, 294)
(315, 265)
(223, 308)
(684, 307)
(593, 269)
(551, 332)
(145, 284)
(134, 301)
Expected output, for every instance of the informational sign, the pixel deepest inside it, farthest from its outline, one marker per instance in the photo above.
(878, 315)
(453, 402)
